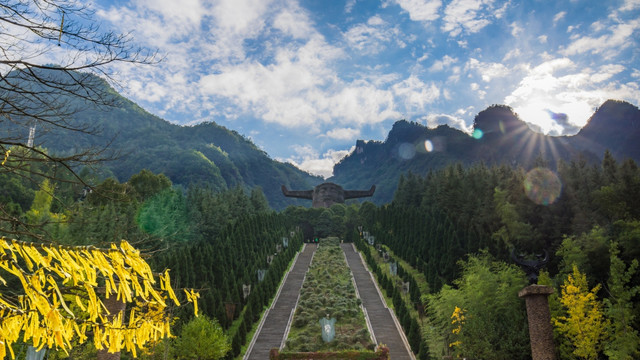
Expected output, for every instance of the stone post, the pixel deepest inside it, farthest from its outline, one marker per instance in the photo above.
(540, 330)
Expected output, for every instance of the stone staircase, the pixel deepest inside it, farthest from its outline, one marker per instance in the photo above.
(273, 327)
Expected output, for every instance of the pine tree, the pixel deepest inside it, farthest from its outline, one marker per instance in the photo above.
(414, 337)
(423, 354)
(625, 342)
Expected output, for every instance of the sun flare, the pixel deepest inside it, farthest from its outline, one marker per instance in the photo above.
(554, 117)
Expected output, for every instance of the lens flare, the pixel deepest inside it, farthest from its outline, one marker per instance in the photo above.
(542, 186)
(477, 134)
(428, 145)
(406, 151)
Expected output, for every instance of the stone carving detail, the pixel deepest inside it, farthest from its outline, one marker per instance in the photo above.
(327, 194)
(531, 267)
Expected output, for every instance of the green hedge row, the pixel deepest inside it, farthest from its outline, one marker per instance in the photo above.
(381, 354)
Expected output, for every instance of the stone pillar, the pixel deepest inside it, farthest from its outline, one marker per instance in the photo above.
(540, 330)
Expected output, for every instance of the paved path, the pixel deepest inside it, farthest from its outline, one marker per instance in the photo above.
(384, 327)
(272, 332)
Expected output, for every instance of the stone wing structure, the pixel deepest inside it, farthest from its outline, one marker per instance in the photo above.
(327, 194)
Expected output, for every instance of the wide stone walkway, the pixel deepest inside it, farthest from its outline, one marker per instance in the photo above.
(271, 334)
(384, 327)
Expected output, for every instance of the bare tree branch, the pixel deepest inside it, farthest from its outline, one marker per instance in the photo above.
(55, 61)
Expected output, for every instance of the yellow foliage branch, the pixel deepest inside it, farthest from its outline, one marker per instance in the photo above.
(48, 317)
(457, 318)
(6, 156)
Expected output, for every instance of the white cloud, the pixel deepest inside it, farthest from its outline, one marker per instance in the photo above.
(294, 22)
(349, 6)
(559, 16)
(440, 65)
(487, 71)
(421, 10)
(435, 120)
(266, 60)
(189, 11)
(597, 26)
(606, 72)
(467, 15)
(375, 21)
(499, 13)
(415, 94)
(559, 86)
(286, 92)
(369, 39)
(630, 5)
(465, 111)
(539, 79)
(619, 38)
(343, 133)
(240, 17)
(512, 54)
(515, 29)
(308, 159)
(455, 74)
(360, 104)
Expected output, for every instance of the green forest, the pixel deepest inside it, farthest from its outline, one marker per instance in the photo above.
(450, 233)
(457, 227)
(123, 234)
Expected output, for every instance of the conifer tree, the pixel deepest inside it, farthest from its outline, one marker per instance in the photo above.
(414, 337)
(624, 340)
(202, 338)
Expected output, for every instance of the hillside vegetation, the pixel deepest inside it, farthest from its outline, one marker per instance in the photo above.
(133, 139)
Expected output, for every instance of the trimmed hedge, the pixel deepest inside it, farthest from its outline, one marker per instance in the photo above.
(328, 289)
(381, 354)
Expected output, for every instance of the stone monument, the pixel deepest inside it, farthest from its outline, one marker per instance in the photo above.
(540, 329)
(327, 194)
(538, 314)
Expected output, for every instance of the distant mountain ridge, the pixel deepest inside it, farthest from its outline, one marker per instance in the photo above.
(206, 153)
(210, 154)
(500, 137)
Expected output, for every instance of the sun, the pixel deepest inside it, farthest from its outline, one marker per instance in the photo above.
(554, 117)
(536, 114)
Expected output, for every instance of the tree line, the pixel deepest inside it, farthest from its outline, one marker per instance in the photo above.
(220, 243)
(458, 227)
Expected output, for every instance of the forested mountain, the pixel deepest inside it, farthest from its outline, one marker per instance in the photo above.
(499, 137)
(210, 154)
(206, 153)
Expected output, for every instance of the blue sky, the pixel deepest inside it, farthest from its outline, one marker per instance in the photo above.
(305, 79)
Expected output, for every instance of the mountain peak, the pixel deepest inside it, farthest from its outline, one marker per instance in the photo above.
(498, 119)
(611, 117)
(614, 126)
(404, 131)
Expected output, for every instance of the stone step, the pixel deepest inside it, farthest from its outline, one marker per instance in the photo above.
(385, 329)
(271, 334)
(382, 321)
